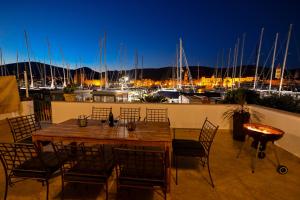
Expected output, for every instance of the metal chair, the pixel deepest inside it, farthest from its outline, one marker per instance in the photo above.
(22, 127)
(25, 161)
(84, 164)
(157, 115)
(194, 148)
(100, 113)
(129, 115)
(141, 169)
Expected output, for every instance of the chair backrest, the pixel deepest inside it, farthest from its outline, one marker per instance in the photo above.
(130, 114)
(207, 134)
(157, 115)
(100, 113)
(140, 164)
(23, 126)
(13, 155)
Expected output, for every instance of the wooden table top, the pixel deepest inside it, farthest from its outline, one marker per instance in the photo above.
(146, 133)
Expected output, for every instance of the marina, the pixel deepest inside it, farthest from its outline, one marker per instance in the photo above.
(149, 100)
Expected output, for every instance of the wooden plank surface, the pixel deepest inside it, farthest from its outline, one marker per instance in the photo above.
(151, 133)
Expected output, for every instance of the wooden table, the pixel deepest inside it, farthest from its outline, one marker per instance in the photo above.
(145, 134)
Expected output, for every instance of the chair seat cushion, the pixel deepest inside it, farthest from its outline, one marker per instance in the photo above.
(35, 168)
(28, 140)
(85, 178)
(183, 147)
(88, 171)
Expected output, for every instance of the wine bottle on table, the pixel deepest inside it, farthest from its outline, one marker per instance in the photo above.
(111, 118)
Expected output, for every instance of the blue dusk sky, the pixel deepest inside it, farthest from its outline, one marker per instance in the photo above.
(153, 28)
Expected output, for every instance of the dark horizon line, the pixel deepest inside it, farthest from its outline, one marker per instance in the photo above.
(224, 67)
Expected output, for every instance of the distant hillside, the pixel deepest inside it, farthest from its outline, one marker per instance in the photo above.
(38, 70)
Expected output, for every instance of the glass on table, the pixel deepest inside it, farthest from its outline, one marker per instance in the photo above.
(82, 120)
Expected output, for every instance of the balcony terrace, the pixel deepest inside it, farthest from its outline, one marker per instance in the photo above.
(232, 177)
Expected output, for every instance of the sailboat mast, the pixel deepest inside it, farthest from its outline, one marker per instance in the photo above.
(70, 79)
(135, 65)
(1, 62)
(273, 61)
(180, 63)
(83, 75)
(188, 71)
(51, 72)
(29, 63)
(236, 59)
(125, 60)
(45, 74)
(177, 70)
(217, 64)
(233, 64)
(5, 69)
(258, 56)
(216, 71)
(100, 61)
(142, 67)
(222, 65)
(198, 72)
(17, 66)
(228, 64)
(106, 75)
(80, 73)
(242, 57)
(285, 57)
(63, 63)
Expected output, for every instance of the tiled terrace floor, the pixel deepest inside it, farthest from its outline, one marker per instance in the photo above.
(233, 178)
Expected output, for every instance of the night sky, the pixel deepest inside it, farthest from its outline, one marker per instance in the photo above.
(152, 27)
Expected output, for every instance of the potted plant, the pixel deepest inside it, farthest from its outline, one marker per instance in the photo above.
(239, 114)
(69, 93)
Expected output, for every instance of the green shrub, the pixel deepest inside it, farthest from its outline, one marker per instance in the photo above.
(153, 99)
(69, 89)
(283, 102)
(241, 96)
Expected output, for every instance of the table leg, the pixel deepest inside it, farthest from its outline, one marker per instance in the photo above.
(168, 169)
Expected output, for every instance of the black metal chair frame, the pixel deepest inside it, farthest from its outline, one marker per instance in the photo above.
(137, 168)
(129, 115)
(22, 127)
(18, 160)
(157, 115)
(206, 137)
(84, 164)
(100, 113)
